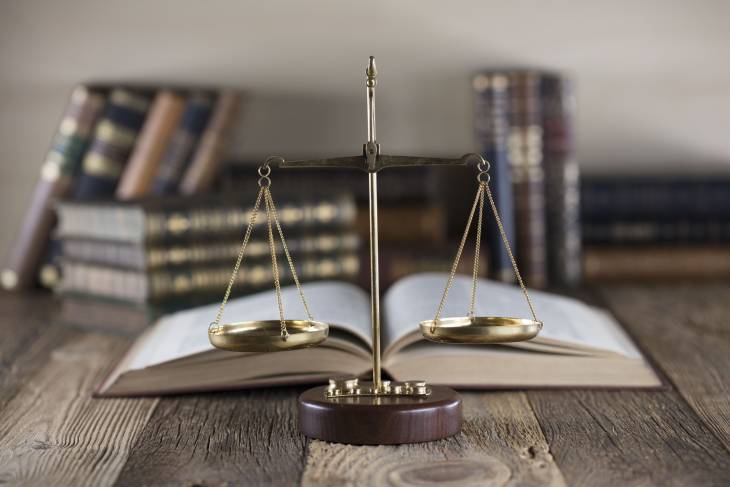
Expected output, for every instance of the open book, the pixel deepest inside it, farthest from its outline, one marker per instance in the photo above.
(579, 345)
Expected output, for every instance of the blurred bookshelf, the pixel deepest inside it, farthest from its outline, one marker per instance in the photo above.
(139, 207)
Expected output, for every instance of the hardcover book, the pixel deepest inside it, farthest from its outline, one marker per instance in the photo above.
(158, 128)
(492, 128)
(562, 184)
(204, 165)
(178, 154)
(579, 346)
(57, 176)
(113, 140)
(167, 284)
(525, 149)
(175, 218)
(195, 253)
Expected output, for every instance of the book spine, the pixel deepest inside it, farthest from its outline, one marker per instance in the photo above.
(57, 174)
(138, 257)
(180, 150)
(329, 212)
(164, 285)
(163, 119)
(492, 126)
(217, 217)
(657, 232)
(656, 263)
(405, 224)
(562, 186)
(525, 150)
(200, 174)
(111, 145)
(659, 199)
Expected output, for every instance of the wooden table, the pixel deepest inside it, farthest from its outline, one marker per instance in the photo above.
(53, 433)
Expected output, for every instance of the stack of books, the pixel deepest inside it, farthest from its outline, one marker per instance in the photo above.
(524, 126)
(124, 143)
(149, 256)
(413, 217)
(656, 228)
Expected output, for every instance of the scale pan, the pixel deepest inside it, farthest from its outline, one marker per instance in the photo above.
(265, 336)
(480, 329)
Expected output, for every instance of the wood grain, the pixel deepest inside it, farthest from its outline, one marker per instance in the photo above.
(246, 438)
(500, 444)
(382, 420)
(26, 339)
(629, 438)
(53, 433)
(685, 329)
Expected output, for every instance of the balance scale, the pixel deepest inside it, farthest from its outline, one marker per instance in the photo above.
(348, 409)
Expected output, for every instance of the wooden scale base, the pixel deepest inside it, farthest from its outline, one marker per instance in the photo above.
(380, 419)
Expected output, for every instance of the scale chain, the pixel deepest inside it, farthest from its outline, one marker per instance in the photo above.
(288, 256)
(503, 234)
(479, 201)
(475, 272)
(272, 217)
(454, 266)
(239, 259)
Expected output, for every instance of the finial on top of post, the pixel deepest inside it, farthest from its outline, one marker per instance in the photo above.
(372, 73)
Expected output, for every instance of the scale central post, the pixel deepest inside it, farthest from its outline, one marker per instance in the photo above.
(371, 150)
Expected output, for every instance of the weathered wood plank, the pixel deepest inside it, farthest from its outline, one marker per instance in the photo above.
(53, 433)
(629, 438)
(244, 438)
(501, 444)
(685, 329)
(22, 326)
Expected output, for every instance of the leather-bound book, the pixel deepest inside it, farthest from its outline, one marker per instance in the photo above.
(156, 220)
(164, 117)
(203, 168)
(492, 128)
(165, 285)
(179, 152)
(562, 184)
(113, 139)
(525, 149)
(57, 174)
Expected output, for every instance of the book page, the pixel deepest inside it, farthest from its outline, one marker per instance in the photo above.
(565, 320)
(185, 333)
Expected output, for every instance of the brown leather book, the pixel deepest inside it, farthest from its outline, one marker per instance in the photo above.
(405, 224)
(149, 149)
(58, 171)
(656, 263)
(200, 175)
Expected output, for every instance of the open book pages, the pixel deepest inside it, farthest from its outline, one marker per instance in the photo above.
(579, 345)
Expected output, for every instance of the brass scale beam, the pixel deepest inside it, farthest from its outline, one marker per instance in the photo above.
(373, 161)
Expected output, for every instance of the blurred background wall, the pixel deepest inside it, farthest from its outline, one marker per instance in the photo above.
(653, 77)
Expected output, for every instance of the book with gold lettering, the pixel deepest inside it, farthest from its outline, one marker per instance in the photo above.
(149, 148)
(164, 219)
(57, 175)
(112, 142)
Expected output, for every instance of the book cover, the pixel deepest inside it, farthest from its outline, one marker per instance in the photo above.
(164, 117)
(165, 284)
(177, 218)
(562, 191)
(492, 127)
(178, 154)
(205, 163)
(57, 175)
(113, 140)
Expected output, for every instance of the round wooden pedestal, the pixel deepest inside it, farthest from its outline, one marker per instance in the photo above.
(384, 420)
